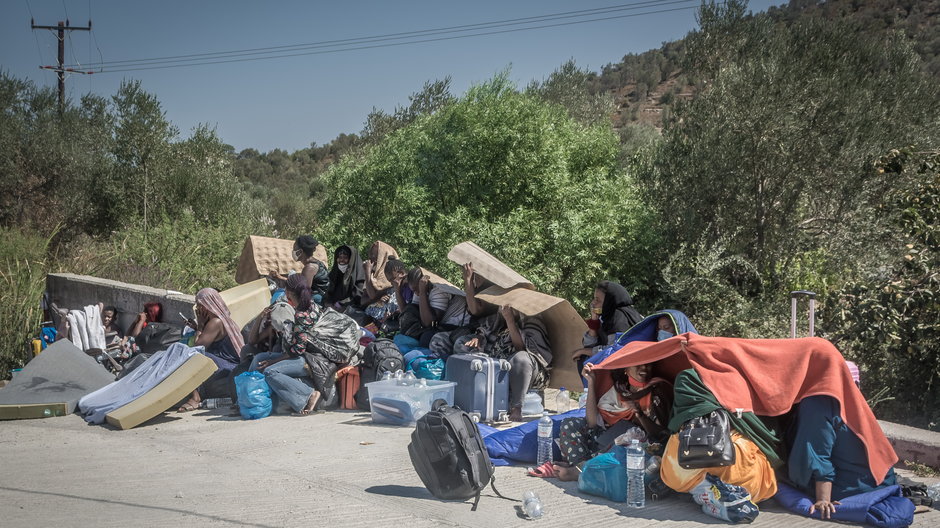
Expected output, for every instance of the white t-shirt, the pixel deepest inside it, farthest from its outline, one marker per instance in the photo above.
(453, 305)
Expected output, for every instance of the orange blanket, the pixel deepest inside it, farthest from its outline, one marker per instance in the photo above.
(768, 377)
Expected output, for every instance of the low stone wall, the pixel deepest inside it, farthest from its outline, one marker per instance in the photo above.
(72, 291)
(910, 443)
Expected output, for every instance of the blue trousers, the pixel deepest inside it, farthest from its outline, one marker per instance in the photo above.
(284, 378)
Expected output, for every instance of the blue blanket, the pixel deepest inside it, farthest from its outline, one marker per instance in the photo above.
(645, 330)
(519, 445)
(884, 507)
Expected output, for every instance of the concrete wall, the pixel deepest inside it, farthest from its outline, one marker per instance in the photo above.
(76, 291)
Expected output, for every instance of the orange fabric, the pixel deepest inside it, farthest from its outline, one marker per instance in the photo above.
(349, 381)
(643, 403)
(751, 469)
(765, 376)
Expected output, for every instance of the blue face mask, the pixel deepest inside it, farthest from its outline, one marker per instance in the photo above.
(663, 335)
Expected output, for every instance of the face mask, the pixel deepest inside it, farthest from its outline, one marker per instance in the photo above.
(663, 335)
(343, 267)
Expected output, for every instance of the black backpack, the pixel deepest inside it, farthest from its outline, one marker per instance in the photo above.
(448, 453)
(379, 357)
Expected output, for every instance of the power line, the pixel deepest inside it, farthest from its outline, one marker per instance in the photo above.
(330, 46)
(168, 63)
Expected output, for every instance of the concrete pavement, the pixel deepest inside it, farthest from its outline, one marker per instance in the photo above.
(332, 469)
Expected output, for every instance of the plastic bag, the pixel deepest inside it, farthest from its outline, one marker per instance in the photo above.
(605, 475)
(254, 395)
(724, 501)
(429, 368)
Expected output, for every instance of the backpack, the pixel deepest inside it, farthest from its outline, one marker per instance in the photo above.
(380, 356)
(449, 456)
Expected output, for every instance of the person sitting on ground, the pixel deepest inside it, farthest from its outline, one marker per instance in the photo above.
(153, 313)
(440, 307)
(109, 316)
(266, 334)
(347, 279)
(220, 337)
(523, 341)
(379, 294)
(284, 370)
(315, 271)
(827, 461)
(442, 344)
(611, 312)
(635, 399)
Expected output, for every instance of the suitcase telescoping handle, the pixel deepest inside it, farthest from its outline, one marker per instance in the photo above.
(794, 298)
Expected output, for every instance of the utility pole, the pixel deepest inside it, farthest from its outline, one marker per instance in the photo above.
(61, 28)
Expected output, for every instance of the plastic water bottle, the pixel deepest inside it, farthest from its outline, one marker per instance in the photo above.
(562, 401)
(933, 491)
(532, 504)
(388, 376)
(582, 400)
(409, 378)
(636, 468)
(216, 403)
(545, 439)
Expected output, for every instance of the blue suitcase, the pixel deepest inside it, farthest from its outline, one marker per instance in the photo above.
(482, 389)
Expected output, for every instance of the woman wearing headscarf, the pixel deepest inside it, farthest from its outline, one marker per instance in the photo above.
(347, 279)
(611, 312)
(379, 294)
(314, 270)
(219, 335)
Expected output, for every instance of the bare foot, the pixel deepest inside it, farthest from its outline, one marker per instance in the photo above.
(189, 406)
(515, 414)
(311, 403)
(566, 473)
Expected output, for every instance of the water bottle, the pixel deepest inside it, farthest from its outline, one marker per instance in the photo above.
(388, 376)
(933, 491)
(409, 378)
(532, 504)
(658, 488)
(216, 403)
(545, 439)
(582, 400)
(636, 467)
(562, 401)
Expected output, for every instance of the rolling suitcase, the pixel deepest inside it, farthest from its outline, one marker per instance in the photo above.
(482, 385)
(811, 296)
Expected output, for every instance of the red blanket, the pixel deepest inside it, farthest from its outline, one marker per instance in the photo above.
(767, 377)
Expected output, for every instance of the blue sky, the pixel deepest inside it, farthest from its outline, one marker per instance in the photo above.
(290, 102)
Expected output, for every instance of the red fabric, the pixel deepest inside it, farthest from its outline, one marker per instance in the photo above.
(154, 312)
(643, 403)
(767, 377)
(593, 324)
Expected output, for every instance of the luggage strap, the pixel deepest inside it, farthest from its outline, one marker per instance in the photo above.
(476, 500)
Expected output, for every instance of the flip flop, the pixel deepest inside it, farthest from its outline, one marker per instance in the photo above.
(546, 470)
(187, 407)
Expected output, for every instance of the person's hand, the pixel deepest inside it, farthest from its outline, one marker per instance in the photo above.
(508, 314)
(473, 343)
(467, 272)
(367, 266)
(826, 508)
(142, 317)
(276, 276)
(385, 298)
(396, 282)
(423, 286)
(588, 373)
(264, 364)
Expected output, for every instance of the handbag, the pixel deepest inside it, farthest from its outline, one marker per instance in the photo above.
(705, 441)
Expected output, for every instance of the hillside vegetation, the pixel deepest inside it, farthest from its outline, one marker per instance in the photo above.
(799, 150)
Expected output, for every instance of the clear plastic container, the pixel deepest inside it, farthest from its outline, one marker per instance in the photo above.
(532, 505)
(532, 405)
(397, 404)
(636, 469)
(562, 401)
(544, 439)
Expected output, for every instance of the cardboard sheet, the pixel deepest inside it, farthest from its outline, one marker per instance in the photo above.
(565, 328)
(165, 394)
(488, 266)
(54, 380)
(434, 278)
(261, 255)
(246, 301)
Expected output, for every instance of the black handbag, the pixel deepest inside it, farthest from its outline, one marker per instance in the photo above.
(705, 441)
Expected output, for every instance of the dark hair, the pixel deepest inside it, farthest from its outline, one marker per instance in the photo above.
(307, 244)
(343, 249)
(297, 284)
(394, 265)
(110, 309)
(602, 286)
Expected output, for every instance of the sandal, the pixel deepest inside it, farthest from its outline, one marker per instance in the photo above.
(188, 407)
(546, 470)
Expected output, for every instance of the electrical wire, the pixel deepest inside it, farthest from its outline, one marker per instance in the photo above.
(331, 46)
(38, 47)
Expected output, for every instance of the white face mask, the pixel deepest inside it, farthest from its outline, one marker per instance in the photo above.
(343, 267)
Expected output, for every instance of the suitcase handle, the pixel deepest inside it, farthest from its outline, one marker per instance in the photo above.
(794, 299)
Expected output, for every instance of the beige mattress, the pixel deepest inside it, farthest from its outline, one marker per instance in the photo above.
(262, 255)
(166, 394)
(246, 301)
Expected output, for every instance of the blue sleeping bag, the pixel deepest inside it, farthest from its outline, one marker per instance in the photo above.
(884, 507)
(519, 445)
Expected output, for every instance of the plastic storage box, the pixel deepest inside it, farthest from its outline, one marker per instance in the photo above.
(400, 402)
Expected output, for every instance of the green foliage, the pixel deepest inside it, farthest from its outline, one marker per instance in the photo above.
(507, 170)
(23, 266)
(888, 320)
(568, 86)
